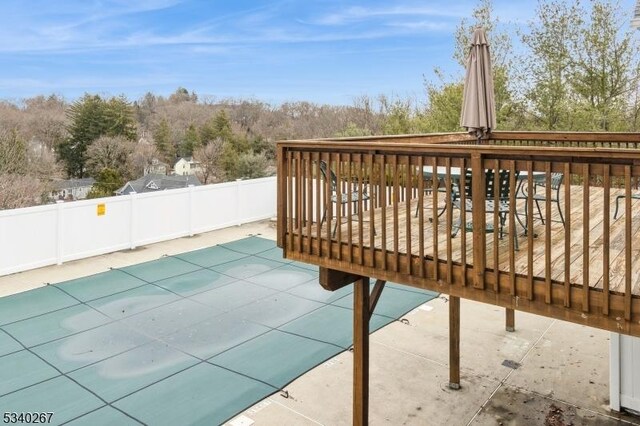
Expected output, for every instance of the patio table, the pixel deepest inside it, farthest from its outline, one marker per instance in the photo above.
(456, 173)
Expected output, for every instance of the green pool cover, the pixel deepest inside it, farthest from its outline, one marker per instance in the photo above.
(189, 339)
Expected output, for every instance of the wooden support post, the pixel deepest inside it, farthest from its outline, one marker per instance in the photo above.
(478, 218)
(454, 342)
(510, 319)
(361, 352)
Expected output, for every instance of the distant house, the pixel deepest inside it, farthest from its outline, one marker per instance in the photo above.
(156, 167)
(156, 182)
(71, 189)
(186, 166)
(635, 22)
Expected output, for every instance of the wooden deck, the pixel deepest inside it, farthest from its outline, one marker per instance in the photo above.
(531, 253)
(361, 208)
(587, 272)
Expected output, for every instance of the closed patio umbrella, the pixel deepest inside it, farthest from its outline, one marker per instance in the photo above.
(478, 103)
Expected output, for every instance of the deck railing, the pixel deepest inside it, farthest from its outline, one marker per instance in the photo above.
(415, 210)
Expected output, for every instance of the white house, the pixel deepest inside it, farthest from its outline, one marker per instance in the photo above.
(186, 166)
(71, 189)
(156, 167)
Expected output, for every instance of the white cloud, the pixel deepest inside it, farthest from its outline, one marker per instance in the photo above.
(358, 14)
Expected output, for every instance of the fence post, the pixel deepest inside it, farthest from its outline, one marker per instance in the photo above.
(60, 231)
(132, 219)
(614, 371)
(238, 210)
(191, 209)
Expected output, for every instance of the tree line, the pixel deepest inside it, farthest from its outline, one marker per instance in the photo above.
(575, 66)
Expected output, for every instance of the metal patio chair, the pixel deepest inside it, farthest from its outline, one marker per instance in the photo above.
(635, 196)
(502, 207)
(556, 183)
(356, 196)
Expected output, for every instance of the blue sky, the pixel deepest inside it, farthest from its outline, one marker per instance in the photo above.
(322, 51)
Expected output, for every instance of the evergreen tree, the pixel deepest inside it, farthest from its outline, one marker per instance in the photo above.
(107, 182)
(162, 140)
(118, 113)
(91, 117)
(87, 123)
(190, 142)
(222, 125)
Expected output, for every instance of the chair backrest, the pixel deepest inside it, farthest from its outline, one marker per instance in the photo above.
(556, 180)
(334, 179)
(504, 188)
(503, 183)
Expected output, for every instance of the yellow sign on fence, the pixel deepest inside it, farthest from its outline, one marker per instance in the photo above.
(102, 209)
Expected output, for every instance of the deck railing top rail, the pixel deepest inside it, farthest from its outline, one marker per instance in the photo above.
(496, 135)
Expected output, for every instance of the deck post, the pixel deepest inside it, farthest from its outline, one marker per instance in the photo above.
(361, 352)
(510, 319)
(478, 218)
(454, 342)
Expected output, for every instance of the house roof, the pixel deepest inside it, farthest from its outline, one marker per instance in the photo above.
(158, 182)
(635, 22)
(59, 185)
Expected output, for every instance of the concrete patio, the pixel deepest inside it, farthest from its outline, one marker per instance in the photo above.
(409, 371)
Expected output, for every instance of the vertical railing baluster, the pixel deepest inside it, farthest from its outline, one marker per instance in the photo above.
(383, 210)
(463, 217)
(606, 229)
(360, 208)
(628, 214)
(329, 202)
(513, 187)
(547, 232)
(585, 237)
(299, 199)
(449, 218)
(420, 210)
(396, 201)
(530, 232)
(290, 199)
(372, 223)
(349, 208)
(434, 214)
(496, 225)
(309, 216)
(303, 201)
(319, 202)
(408, 198)
(567, 235)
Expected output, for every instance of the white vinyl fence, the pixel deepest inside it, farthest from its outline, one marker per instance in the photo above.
(624, 383)
(45, 235)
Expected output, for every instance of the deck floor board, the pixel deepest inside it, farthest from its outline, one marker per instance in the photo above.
(398, 232)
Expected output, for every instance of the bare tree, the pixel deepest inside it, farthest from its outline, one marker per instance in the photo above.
(142, 158)
(18, 188)
(19, 191)
(209, 158)
(110, 152)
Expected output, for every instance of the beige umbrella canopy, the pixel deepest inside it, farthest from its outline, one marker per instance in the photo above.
(478, 103)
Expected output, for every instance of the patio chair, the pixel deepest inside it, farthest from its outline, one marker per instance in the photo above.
(556, 182)
(356, 196)
(635, 196)
(428, 190)
(490, 205)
